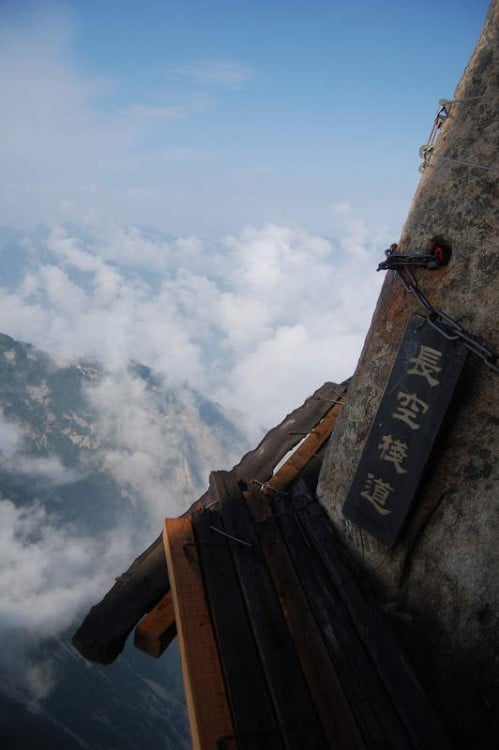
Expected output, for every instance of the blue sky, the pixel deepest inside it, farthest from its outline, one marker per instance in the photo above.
(207, 116)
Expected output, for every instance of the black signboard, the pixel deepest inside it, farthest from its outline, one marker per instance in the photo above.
(404, 430)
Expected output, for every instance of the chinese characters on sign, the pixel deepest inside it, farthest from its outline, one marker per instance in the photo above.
(426, 364)
(409, 408)
(406, 425)
(393, 450)
(376, 492)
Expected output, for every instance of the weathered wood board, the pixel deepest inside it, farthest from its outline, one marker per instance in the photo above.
(209, 713)
(335, 713)
(296, 716)
(404, 691)
(362, 687)
(157, 629)
(253, 715)
(406, 425)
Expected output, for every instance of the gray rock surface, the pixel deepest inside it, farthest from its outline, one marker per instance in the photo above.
(439, 584)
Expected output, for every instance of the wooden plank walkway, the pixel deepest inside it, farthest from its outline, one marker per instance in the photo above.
(296, 716)
(306, 657)
(282, 648)
(388, 660)
(155, 631)
(103, 633)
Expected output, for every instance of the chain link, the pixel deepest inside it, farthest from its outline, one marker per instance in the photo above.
(444, 323)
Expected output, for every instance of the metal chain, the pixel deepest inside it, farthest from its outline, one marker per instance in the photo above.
(444, 324)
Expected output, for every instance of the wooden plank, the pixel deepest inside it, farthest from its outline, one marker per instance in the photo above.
(360, 681)
(333, 709)
(296, 714)
(208, 710)
(287, 473)
(102, 634)
(157, 629)
(260, 462)
(407, 696)
(253, 715)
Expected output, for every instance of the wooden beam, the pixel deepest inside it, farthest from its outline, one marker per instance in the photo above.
(157, 629)
(287, 473)
(261, 462)
(207, 706)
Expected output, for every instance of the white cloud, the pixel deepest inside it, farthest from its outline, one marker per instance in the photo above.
(47, 573)
(154, 445)
(161, 457)
(14, 457)
(230, 74)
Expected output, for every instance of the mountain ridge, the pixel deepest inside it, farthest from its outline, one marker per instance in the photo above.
(90, 463)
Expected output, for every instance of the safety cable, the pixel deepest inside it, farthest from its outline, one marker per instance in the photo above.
(464, 163)
(427, 150)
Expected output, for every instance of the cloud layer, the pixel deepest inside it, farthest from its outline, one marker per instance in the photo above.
(61, 545)
(256, 321)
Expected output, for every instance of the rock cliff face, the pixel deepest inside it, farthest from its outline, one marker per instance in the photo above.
(440, 581)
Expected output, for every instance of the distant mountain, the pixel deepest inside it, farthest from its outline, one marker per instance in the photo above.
(136, 702)
(90, 464)
(115, 437)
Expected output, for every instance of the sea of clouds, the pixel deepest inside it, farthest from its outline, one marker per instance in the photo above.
(255, 321)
